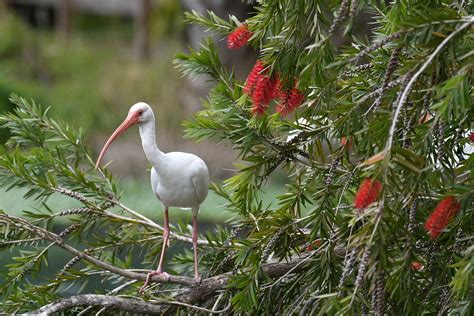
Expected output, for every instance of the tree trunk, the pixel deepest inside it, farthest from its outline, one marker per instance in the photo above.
(64, 19)
(142, 30)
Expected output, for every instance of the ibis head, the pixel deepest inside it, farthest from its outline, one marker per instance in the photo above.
(139, 113)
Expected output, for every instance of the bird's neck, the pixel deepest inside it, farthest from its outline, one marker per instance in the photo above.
(152, 152)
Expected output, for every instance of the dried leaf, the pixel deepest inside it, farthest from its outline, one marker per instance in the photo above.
(374, 159)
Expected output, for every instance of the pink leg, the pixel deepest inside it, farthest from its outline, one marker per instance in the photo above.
(166, 234)
(195, 246)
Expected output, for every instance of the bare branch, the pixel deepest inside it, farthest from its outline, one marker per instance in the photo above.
(113, 292)
(132, 305)
(119, 303)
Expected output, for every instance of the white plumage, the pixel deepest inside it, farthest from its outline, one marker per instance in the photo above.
(178, 179)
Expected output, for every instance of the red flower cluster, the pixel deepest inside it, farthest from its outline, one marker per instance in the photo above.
(439, 219)
(289, 101)
(471, 137)
(368, 193)
(239, 37)
(257, 71)
(264, 92)
(263, 89)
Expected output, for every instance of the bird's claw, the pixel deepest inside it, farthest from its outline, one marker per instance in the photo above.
(150, 275)
(166, 275)
(198, 279)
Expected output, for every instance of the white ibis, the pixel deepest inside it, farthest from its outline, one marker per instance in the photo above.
(178, 179)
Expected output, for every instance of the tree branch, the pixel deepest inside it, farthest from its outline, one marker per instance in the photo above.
(132, 305)
(114, 302)
(195, 293)
(269, 268)
(407, 89)
(47, 235)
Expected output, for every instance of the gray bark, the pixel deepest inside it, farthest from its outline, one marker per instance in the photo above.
(132, 305)
(193, 295)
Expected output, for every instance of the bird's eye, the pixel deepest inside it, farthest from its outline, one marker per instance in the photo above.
(140, 112)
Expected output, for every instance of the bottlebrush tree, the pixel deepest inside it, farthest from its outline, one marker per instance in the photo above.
(371, 131)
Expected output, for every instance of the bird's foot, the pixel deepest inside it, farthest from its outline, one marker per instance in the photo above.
(150, 275)
(197, 279)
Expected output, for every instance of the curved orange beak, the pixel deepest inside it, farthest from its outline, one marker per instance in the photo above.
(131, 120)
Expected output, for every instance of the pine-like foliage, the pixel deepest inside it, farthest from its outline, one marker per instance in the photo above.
(395, 108)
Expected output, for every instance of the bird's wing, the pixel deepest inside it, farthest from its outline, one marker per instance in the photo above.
(200, 180)
(154, 181)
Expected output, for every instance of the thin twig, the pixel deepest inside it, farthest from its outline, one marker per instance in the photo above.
(392, 63)
(379, 91)
(20, 241)
(407, 89)
(218, 300)
(75, 195)
(341, 15)
(146, 221)
(398, 34)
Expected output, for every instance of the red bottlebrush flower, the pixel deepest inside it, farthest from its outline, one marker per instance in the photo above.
(368, 193)
(275, 89)
(290, 100)
(239, 37)
(261, 87)
(415, 265)
(471, 137)
(262, 94)
(440, 217)
(257, 71)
